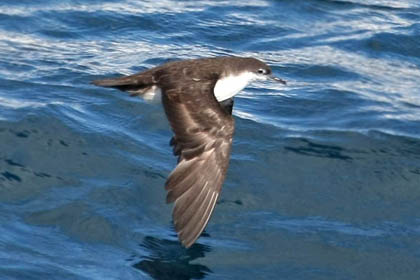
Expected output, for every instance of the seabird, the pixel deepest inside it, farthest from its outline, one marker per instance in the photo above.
(197, 96)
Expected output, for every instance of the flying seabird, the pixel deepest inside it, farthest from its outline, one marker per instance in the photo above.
(197, 96)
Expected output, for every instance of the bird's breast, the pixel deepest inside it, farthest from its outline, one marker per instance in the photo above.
(231, 85)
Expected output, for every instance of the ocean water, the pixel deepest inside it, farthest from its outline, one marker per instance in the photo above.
(324, 180)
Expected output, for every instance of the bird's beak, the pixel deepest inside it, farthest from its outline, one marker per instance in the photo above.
(274, 78)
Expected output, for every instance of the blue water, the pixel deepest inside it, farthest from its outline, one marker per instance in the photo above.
(324, 181)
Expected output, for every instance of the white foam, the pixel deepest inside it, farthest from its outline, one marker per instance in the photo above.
(19, 103)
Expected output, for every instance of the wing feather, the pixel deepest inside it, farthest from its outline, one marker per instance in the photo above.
(202, 141)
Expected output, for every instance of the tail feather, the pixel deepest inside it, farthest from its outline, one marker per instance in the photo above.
(121, 81)
(137, 84)
(125, 83)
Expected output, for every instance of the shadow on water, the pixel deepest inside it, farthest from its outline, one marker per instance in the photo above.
(169, 260)
(308, 148)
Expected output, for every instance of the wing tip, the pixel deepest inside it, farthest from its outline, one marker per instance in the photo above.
(188, 239)
(191, 231)
(187, 243)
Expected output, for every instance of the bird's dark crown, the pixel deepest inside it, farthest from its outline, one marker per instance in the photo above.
(247, 64)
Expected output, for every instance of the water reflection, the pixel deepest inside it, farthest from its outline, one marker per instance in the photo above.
(308, 148)
(169, 260)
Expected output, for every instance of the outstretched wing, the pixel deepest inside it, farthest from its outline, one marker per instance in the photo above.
(203, 138)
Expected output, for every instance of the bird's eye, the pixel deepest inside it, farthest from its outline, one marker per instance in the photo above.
(261, 71)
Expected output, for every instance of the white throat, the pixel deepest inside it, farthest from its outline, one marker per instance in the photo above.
(229, 86)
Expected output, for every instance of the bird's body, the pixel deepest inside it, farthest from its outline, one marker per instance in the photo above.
(197, 96)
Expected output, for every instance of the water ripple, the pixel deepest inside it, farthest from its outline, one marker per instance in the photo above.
(324, 171)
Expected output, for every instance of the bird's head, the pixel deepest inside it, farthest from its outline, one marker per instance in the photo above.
(261, 71)
(238, 73)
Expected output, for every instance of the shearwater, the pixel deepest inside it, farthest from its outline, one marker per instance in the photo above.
(197, 96)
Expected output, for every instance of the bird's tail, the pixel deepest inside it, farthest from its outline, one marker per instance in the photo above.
(125, 83)
(137, 84)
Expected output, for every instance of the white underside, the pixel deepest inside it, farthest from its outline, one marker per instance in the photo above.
(153, 95)
(231, 85)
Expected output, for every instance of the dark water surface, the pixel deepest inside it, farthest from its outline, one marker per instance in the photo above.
(324, 181)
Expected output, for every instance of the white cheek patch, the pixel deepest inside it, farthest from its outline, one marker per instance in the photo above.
(231, 85)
